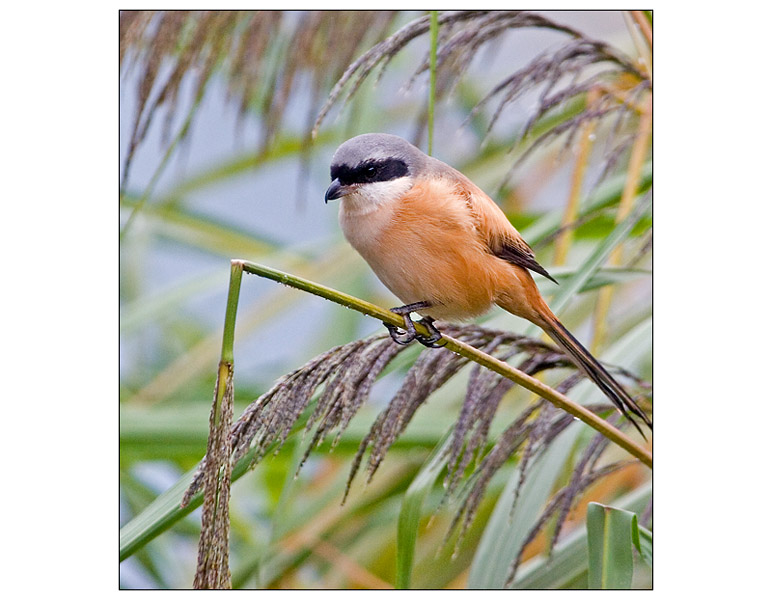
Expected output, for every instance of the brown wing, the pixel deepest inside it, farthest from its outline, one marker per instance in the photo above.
(502, 239)
(517, 252)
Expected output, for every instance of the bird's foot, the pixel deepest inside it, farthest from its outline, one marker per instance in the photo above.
(410, 333)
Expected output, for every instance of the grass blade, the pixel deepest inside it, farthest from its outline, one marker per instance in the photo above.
(644, 545)
(605, 196)
(165, 511)
(569, 558)
(507, 528)
(410, 513)
(597, 258)
(159, 515)
(610, 539)
(495, 554)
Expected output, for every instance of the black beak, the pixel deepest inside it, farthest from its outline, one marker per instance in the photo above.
(334, 191)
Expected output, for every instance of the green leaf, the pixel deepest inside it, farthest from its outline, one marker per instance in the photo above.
(593, 263)
(507, 528)
(568, 563)
(606, 195)
(159, 515)
(644, 545)
(597, 258)
(611, 534)
(165, 510)
(410, 513)
(598, 279)
(500, 544)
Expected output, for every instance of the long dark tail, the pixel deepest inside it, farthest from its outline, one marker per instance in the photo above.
(594, 370)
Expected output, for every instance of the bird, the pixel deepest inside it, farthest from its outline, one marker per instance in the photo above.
(445, 248)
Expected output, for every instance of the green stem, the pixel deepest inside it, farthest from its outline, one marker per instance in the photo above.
(237, 269)
(462, 349)
(434, 28)
(225, 368)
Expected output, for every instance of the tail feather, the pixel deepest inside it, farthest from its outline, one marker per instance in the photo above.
(595, 371)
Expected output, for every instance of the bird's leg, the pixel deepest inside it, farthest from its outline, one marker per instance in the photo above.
(410, 333)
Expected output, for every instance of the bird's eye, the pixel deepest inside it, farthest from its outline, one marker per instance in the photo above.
(370, 171)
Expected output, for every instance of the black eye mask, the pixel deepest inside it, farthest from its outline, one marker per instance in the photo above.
(370, 171)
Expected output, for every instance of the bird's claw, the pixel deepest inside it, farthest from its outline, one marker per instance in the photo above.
(400, 337)
(409, 334)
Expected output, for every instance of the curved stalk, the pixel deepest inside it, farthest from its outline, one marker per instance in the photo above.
(462, 349)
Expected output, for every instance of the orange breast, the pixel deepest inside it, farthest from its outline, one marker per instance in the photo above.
(431, 251)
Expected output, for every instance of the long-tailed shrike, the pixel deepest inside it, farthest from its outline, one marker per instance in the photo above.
(443, 247)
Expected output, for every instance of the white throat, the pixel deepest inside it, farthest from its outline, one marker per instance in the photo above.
(367, 212)
(372, 196)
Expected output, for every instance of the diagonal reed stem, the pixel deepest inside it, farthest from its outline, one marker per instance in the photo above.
(462, 349)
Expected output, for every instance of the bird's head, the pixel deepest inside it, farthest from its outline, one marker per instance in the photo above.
(372, 169)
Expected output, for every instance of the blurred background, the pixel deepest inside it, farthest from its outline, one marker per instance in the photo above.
(217, 162)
